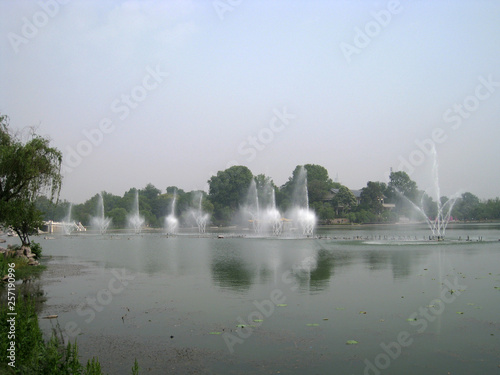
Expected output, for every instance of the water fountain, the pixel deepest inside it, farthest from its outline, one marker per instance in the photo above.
(100, 222)
(300, 212)
(68, 224)
(266, 220)
(439, 222)
(200, 217)
(171, 221)
(251, 208)
(273, 216)
(136, 221)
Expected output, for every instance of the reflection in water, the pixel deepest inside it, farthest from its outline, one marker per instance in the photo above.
(187, 287)
(231, 272)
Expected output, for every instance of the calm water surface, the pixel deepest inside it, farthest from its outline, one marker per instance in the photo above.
(243, 305)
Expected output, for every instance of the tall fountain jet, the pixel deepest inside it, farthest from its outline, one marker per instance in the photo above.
(252, 207)
(273, 216)
(136, 221)
(301, 213)
(200, 217)
(68, 224)
(262, 213)
(437, 224)
(100, 222)
(171, 222)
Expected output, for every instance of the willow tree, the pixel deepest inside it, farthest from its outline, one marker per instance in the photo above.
(28, 169)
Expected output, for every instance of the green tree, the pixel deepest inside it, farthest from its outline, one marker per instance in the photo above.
(344, 200)
(401, 183)
(228, 189)
(318, 185)
(467, 207)
(372, 196)
(402, 190)
(118, 216)
(27, 170)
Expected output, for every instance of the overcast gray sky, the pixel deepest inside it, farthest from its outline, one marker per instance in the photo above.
(170, 92)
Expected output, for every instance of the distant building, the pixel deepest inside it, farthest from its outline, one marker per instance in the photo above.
(59, 227)
(357, 194)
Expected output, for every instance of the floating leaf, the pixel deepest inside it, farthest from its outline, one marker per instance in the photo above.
(312, 324)
(411, 319)
(497, 287)
(362, 312)
(325, 318)
(258, 320)
(340, 308)
(281, 305)
(459, 312)
(215, 333)
(351, 342)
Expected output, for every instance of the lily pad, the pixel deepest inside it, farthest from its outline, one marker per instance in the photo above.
(312, 324)
(281, 305)
(215, 333)
(340, 308)
(258, 320)
(459, 312)
(411, 319)
(351, 342)
(362, 312)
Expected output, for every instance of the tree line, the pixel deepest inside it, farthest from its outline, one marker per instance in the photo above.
(377, 202)
(30, 183)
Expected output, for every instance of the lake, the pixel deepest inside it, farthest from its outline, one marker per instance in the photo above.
(357, 300)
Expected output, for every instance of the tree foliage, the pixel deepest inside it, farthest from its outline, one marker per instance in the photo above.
(27, 170)
(228, 189)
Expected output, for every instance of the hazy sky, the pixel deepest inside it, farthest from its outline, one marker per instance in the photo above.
(170, 92)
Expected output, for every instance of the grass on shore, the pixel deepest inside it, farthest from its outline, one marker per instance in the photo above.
(34, 356)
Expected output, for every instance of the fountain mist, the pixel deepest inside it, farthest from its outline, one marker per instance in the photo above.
(136, 221)
(100, 222)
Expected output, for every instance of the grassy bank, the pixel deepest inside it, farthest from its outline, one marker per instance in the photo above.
(27, 353)
(23, 348)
